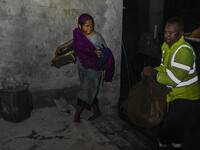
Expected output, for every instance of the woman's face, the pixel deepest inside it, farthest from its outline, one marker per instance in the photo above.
(87, 28)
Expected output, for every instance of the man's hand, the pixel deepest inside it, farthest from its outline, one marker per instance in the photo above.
(147, 71)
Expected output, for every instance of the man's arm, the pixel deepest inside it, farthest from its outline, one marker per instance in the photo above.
(177, 71)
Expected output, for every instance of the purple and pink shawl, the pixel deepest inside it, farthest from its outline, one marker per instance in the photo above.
(84, 49)
(82, 17)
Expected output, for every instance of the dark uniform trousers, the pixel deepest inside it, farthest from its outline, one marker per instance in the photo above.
(180, 128)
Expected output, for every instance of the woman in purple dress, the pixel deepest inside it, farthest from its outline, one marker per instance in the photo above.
(89, 47)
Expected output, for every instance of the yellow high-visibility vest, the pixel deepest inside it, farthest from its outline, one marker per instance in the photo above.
(178, 71)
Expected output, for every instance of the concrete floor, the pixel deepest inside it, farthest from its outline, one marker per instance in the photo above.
(51, 126)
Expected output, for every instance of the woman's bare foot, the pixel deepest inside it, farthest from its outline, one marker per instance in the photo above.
(79, 110)
(77, 120)
(95, 115)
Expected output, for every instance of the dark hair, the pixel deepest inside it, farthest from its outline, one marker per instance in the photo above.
(177, 20)
(86, 19)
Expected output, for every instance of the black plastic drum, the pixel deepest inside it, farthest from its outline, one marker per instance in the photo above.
(16, 105)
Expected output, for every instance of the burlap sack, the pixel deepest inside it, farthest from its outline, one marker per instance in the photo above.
(146, 102)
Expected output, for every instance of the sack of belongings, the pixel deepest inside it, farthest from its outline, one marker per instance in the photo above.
(15, 101)
(145, 104)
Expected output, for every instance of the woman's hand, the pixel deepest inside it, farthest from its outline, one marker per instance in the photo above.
(98, 52)
(60, 48)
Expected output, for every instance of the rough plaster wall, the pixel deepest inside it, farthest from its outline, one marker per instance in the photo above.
(32, 30)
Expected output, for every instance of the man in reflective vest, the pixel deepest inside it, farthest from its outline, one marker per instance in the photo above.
(180, 126)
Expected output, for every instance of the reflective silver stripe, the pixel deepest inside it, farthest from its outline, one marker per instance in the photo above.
(169, 86)
(163, 52)
(161, 59)
(162, 145)
(188, 82)
(172, 76)
(181, 66)
(184, 67)
(176, 145)
(193, 70)
(179, 49)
